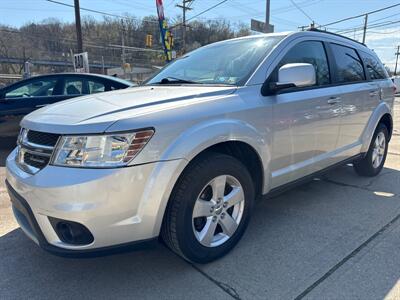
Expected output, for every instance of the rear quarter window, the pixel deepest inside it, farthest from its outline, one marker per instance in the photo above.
(374, 67)
(349, 67)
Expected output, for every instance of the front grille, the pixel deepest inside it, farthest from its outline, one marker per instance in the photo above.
(35, 149)
(42, 138)
(36, 161)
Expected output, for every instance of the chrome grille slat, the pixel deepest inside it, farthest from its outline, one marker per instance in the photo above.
(42, 138)
(37, 146)
(35, 149)
(37, 153)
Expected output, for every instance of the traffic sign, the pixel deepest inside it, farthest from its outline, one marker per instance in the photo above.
(261, 26)
(81, 62)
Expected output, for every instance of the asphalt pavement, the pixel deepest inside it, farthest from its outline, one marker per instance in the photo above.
(336, 237)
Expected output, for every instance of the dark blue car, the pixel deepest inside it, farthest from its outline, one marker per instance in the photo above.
(23, 97)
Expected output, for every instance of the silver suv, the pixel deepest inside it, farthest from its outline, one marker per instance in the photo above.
(185, 156)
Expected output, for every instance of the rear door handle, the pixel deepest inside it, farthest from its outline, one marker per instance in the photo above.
(334, 100)
(40, 105)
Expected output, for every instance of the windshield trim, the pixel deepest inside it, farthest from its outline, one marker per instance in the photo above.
(191, 84)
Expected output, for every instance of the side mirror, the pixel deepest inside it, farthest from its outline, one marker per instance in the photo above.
(295, 75)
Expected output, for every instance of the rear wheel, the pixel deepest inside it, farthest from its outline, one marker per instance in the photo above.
(209, 208)
(373, 162)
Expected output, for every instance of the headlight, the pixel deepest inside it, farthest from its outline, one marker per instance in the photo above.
(100, 151)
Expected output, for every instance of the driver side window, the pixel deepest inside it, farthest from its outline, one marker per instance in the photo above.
(311, 52)
(36, 88)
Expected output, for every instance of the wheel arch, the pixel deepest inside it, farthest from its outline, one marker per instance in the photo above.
(381, 114)
(387, 120)
(229, 137)
(244, 153)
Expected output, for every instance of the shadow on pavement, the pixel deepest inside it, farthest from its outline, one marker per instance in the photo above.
(29, 272)
(3, 156)
(292, 241)
(296, 238)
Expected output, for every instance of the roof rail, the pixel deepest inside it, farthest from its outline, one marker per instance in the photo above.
(335, 34)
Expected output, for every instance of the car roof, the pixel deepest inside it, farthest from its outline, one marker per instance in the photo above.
(87, 75)
(311, 33)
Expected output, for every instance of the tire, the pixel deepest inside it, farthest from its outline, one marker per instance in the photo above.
(196, 194)
(368, 166)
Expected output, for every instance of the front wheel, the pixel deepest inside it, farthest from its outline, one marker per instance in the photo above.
(209, 208)
(372, 163)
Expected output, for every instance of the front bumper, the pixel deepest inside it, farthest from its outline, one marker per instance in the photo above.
(120, 207)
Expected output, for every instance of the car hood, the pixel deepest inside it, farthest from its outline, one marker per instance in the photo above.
(95, 113)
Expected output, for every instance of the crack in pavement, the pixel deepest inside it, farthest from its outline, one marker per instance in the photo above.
(347, 258)
(393, 153)
(235, 295)
(225, 287)
(365, 187)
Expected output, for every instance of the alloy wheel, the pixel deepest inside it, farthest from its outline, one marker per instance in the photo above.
(378, 151)
(218, 211)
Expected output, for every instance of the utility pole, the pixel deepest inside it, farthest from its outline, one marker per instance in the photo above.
(184, 8)
(268, 13)
(78, 26)
(397, 60)
(123, 55)
(365, 28)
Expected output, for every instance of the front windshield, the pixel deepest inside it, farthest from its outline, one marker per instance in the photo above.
(231, 62)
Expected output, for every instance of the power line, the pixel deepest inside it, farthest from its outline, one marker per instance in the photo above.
(387, 17)
(98, 11)
(69, 42)
(199, 14)
(359, 16)
(251, 11)
(302, 11)
(207, 10)
(388, 32)
(384, 24)
(185, 6)
(302, 4)
(375, 23)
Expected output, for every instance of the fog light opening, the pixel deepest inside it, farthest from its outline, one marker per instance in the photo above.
(71, 232)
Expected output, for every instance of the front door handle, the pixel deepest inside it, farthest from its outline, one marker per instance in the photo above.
(40, 105)
(373, 93)
(334, 100)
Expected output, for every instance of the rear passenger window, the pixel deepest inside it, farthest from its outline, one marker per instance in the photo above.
(311, 52)
(374, 67)
(96, 87)
(73, 87)
(349, 65)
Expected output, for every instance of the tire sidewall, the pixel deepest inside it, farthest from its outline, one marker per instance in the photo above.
(220, 165)
(381, 128)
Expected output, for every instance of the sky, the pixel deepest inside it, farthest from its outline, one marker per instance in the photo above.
(284, 15)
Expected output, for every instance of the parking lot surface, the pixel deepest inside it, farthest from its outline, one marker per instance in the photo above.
(336, 237)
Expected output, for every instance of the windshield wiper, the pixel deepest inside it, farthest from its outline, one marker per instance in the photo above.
(174, 80)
